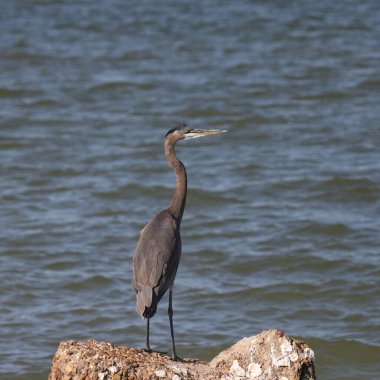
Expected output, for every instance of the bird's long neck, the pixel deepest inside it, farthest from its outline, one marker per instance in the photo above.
(177, 204)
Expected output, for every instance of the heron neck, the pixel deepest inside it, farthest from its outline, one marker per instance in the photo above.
(177, 204)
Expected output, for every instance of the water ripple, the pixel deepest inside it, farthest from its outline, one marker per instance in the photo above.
(281, 223)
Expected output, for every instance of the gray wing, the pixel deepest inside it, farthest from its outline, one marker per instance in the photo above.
(155, 262)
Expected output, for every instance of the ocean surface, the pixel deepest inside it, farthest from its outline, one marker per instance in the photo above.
(282, 223)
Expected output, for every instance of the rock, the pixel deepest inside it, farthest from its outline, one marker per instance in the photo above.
(271, 355)
(160, 373)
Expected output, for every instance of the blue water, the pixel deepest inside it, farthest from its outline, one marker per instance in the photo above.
(281, 228)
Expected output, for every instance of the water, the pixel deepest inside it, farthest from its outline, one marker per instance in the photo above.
(281, 228)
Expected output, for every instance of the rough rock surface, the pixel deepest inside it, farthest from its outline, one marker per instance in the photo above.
(271, 355)
(268, 355)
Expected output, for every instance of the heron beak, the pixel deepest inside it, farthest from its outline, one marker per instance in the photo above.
(195, 133)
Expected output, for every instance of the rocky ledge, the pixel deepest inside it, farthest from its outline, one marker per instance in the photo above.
(270, 355)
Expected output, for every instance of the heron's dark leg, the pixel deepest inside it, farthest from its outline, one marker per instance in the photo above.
(147, 336)
(170, 313)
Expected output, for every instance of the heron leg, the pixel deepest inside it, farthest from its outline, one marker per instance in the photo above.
(147, 336)
(170, 313)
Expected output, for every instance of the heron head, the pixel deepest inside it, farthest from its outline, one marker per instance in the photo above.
(183, 132)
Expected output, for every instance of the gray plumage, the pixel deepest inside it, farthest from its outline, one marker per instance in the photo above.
(156, 272)
(158, 250)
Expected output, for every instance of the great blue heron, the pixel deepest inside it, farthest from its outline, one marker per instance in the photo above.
(159, 247)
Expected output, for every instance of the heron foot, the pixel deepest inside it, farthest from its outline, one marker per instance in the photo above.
(171, 356)
(149, 350)
(165, 353)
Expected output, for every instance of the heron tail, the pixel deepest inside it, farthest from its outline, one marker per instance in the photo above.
(146, 302)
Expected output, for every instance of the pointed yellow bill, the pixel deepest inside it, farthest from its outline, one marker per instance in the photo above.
(195, 133)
